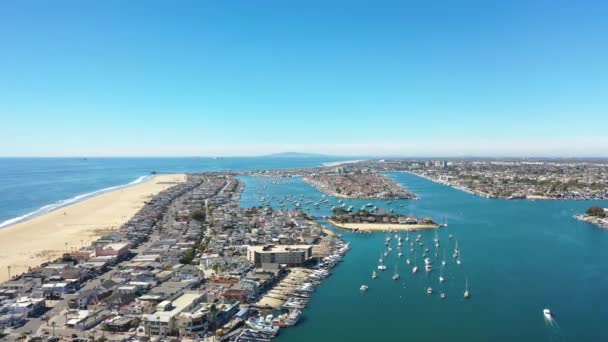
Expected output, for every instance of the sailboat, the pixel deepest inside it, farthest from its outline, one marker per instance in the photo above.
(396, 275)
(467, 295)
(374, 275)
(441, 279)
(382, 266)
(427, 265)
(407, 236)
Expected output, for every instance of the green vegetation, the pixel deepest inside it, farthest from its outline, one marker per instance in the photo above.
(198, 215)
(596, 211)
(188, 256)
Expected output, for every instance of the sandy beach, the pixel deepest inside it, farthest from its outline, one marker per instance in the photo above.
(382, 227)
(537, 197)
(44, 238)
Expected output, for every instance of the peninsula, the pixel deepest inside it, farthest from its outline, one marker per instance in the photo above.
(177, 257)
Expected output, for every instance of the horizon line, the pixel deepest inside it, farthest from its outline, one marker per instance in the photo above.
(313, 155)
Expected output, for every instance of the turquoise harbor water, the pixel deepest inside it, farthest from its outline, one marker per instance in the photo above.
(519, 256)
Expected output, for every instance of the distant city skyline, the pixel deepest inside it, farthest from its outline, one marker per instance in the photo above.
(348, 78)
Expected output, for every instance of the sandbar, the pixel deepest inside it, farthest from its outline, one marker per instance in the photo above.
(382, 227)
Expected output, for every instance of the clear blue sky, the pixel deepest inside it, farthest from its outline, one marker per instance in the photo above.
(343, 77)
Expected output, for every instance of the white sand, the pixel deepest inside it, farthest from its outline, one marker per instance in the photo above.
(44, 238)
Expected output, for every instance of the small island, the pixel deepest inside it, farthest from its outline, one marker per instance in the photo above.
(379, 220)
(358, 184)
(595, 215)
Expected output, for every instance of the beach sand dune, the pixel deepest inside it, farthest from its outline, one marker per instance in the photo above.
(46, 237)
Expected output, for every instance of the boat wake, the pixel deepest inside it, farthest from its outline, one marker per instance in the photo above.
(63, 203)
(554, 330)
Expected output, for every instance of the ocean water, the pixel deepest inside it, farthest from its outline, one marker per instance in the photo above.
(519, 257)
(33, 186)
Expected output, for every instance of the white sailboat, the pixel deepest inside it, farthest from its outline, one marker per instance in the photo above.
(381, 265)
(374, 275)
(396, 275)
(467, 294)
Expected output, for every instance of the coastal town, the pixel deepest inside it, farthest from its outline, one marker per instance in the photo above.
(191, 265)
(509, 179)
(194, 265)
(358, 184)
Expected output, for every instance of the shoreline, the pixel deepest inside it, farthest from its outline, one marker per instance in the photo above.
(47, 236)
(49, 208)
(592, 220)
(485, 195)
(381, 227)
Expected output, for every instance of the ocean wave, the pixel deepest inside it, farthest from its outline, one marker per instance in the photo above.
(63, 203)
